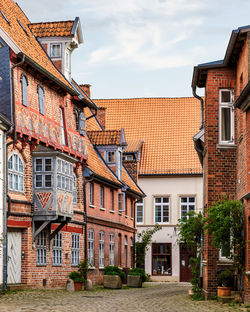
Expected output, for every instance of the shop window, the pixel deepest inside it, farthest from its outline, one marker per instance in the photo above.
(161, 259)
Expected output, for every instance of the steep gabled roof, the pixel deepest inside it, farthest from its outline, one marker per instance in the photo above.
(109, 137)
(18, 34)
(166, 124)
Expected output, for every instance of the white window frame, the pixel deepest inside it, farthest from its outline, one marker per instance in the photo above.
(188, 204)
(231, 107)
(121, 207)
(125, 251)
(91, 193)
(111, 249)
(75, 249)
(43, 173)
(63, 126)
(101, 249)
(51, 49)
(24, 89)
(91, 247)
(57, 250)
(131, 252)
(41, 249)
(141, 205)
(109, 157)
(161, 204)
(16, 173)
(65, 172)
(74, 185)
(41, 99)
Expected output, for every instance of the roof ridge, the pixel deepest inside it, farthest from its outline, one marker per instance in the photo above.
(38, 23)
(143, 98)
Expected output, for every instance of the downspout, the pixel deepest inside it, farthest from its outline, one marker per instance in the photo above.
(5, 238)
(203, 187)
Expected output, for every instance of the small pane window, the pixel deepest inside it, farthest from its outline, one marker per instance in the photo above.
(102, 249)
(121, 202)
(16, 173)
(39, 164)
(75, 249)
(125, 251)
(111, 249)
(187, 205)
(48, 179)
(63, 136)
(48, 164)
(24, 83)
(91, 190)
(40, 99)
(57, 250)
(226, 116)
(91, 247)
(161, 207)
(55, 50)
(139, 211)
(110, 157)
(41, 249)
(101, 197)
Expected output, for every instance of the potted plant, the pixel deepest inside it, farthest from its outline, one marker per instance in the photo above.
(225, 280)
(78, 280)
(83, 268)
(136, 277)
(113, 277)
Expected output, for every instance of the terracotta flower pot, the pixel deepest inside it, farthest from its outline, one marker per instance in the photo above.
(78, 285)
(224, 291)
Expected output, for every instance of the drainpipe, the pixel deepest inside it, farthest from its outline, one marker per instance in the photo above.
(202, 104)
(5, 238)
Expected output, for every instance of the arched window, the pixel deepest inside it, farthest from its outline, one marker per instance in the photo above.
(24, 83)
(16, 174)
(101, 249)
(40, 93)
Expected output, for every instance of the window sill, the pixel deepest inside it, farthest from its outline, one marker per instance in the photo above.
(126, 216)
(92, 206)
(131, 218)
(92, 268)
(111, 211)
(103, 209)
(101, 268)
(226, 146)
(119, 213)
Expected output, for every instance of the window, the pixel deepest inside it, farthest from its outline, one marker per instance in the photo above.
(126, 206)
(161, 207)
(119, 165)
(57, 249)
(139, 211)
(55, 50)
(74, 188)
(127, 157)
(112, 200)
(187, 205)
(62, 122)
(40, 93)
(101, 197)
(24, 83)
(131, 253)
(82, 124)
(131, 208)
(91, 193)
(101, 249)
(226, 116)
(66, 179)
(91, 247)
(76, 115)
(75, 249)
(161, 259)
(41, 249)
(119, 250)
(125, 251)
(121, 202)
(110, 155)
(43, 172)
(16, 173)
(111, 249)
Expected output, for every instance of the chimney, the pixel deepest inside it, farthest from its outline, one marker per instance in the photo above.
(86, 88)
(101, 116)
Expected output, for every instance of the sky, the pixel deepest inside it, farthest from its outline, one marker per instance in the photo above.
(144, 48)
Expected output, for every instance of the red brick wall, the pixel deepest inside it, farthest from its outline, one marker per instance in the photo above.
(132, 168)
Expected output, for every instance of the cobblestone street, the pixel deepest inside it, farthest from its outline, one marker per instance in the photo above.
(153, 297)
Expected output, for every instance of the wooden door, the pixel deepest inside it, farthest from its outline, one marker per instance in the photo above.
(14, 257)
(185, 267)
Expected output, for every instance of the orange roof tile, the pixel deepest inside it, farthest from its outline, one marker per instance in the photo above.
(133, 146)
(52, 29)
(110, 137)
(166, 124)
(92, 123)
(24, 38)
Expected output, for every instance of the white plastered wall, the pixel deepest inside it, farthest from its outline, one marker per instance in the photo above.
(174, 187)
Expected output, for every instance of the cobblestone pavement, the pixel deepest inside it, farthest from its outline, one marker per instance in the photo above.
(152, 297)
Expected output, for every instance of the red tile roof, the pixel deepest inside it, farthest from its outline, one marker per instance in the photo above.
(25, 39)
(134, 146)
(52, 29)
(167, 126)
(110, 137)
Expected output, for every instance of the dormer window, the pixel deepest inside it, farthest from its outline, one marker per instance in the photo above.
(24, 83)
(40, 93)
(56, 50)
(110, 157)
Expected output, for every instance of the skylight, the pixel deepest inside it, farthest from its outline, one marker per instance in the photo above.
(5, 17)
(23, 27)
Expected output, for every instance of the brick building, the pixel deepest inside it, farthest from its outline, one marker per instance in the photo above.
(62, 197)
(223, 141)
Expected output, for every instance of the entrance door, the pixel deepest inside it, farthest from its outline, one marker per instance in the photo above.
(185, 267)
(14, 257)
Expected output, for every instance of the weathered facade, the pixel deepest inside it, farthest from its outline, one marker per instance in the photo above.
(223, 141)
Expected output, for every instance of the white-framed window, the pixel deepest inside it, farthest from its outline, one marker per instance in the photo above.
(161, 209)
(62, 123)
(91, 193)
(127, 157)
(131, 253)
(119, 165)
(139, 212)
(16, 173)
(125, 251)
(101, 249)
(91, 247)
(57, 250)
(75, 249)
(43, 167)
(121, 202)
(226, 116)
(66, 179)
(82, 124)
(40, 93)
(41, 248)
(24, 83)
(187, 204)
(55, 50)
(110, 157)
(111, 249)
(101, 197)
(74, 189)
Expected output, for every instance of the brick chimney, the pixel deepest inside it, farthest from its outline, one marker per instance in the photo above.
(101, 116)
(86, 88)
